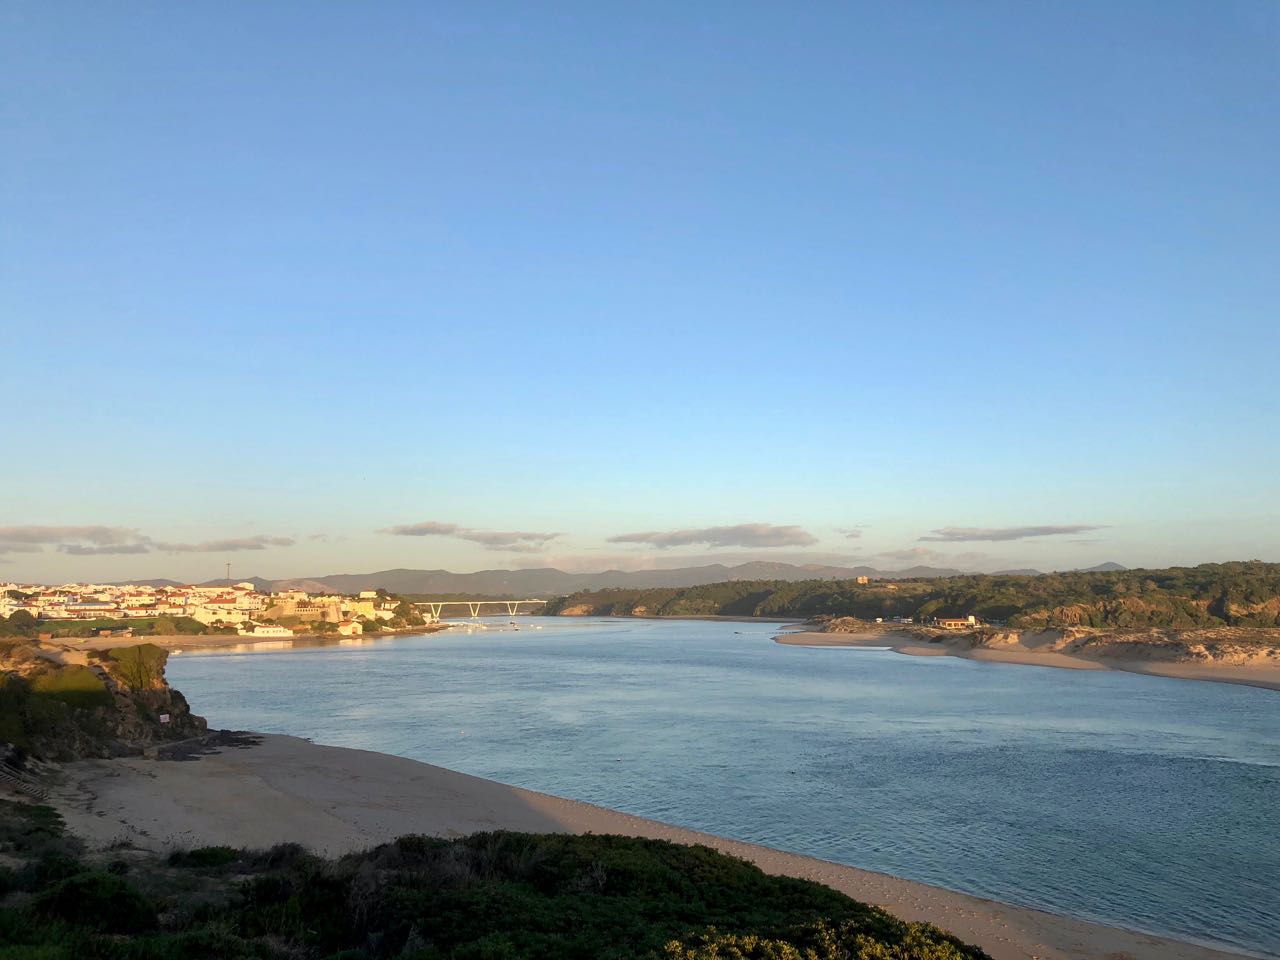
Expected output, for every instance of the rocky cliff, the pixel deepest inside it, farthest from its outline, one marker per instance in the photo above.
(60, 706)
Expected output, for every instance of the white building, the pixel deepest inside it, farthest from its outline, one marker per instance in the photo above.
(263, 630)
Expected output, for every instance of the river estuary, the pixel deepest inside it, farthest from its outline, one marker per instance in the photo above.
(1130, 800)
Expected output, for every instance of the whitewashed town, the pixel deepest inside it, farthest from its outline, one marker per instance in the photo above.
(239, 607)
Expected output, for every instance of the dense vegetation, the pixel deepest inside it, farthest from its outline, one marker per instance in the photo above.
(484, 897)
(1212, 594)
(23, 624)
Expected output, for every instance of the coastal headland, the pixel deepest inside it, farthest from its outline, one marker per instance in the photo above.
(1225, 655)
(335, 800)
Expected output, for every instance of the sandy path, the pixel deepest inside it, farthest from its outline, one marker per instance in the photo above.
(333, 799)
(1261, 675)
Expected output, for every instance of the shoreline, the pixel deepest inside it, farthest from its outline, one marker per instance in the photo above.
(715, 617)
(180, 643)
(1264, 677)
(336, 799)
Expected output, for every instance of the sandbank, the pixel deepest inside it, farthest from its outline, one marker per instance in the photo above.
(1259, 675)
(333, 799)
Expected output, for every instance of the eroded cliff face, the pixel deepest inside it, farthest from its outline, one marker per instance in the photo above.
(104, 704)
(1226, 646)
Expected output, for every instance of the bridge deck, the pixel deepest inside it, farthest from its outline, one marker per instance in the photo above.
(437, 606)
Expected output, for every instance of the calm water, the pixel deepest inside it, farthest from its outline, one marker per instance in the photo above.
(1136, 801)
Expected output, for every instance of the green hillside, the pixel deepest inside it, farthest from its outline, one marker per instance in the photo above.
(1244, 594)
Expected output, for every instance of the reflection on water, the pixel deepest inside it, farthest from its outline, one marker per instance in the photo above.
(1138, 801)
(297, 643)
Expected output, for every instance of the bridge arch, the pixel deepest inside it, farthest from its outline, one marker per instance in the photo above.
(436, 607)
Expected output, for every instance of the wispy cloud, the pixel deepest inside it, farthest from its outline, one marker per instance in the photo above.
(87, 538)
(89, 550)
(232, 545)
(427, 528)
(96, 540)
(600, 561)
(20, 547)
(520, 540)
(507, 541)
(741, 535)
(968, 560)
(970, 534)
(850, 533)
(911, 555)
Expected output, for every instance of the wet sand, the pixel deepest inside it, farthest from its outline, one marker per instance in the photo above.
(333, 799)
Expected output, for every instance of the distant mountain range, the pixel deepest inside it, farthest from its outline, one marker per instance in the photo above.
(1107, 567)
(547, 582)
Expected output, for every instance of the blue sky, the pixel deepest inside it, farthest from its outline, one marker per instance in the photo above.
(308, 272)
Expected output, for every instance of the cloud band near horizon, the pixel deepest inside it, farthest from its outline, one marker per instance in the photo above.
(758, 535)
(510, 541)
(93, 540)
(972, 534)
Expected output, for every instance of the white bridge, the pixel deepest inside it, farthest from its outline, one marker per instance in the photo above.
(512, 606)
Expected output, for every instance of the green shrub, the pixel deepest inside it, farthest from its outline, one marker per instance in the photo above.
(25, 824)
(490, 896)
(36, 835)
(48, 868)
(141, 667)
(98, 901)
(204, 858)
(76, 686)
(820, 941)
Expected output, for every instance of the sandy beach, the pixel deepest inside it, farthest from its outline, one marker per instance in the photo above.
(333, 800)
(1260, 675)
